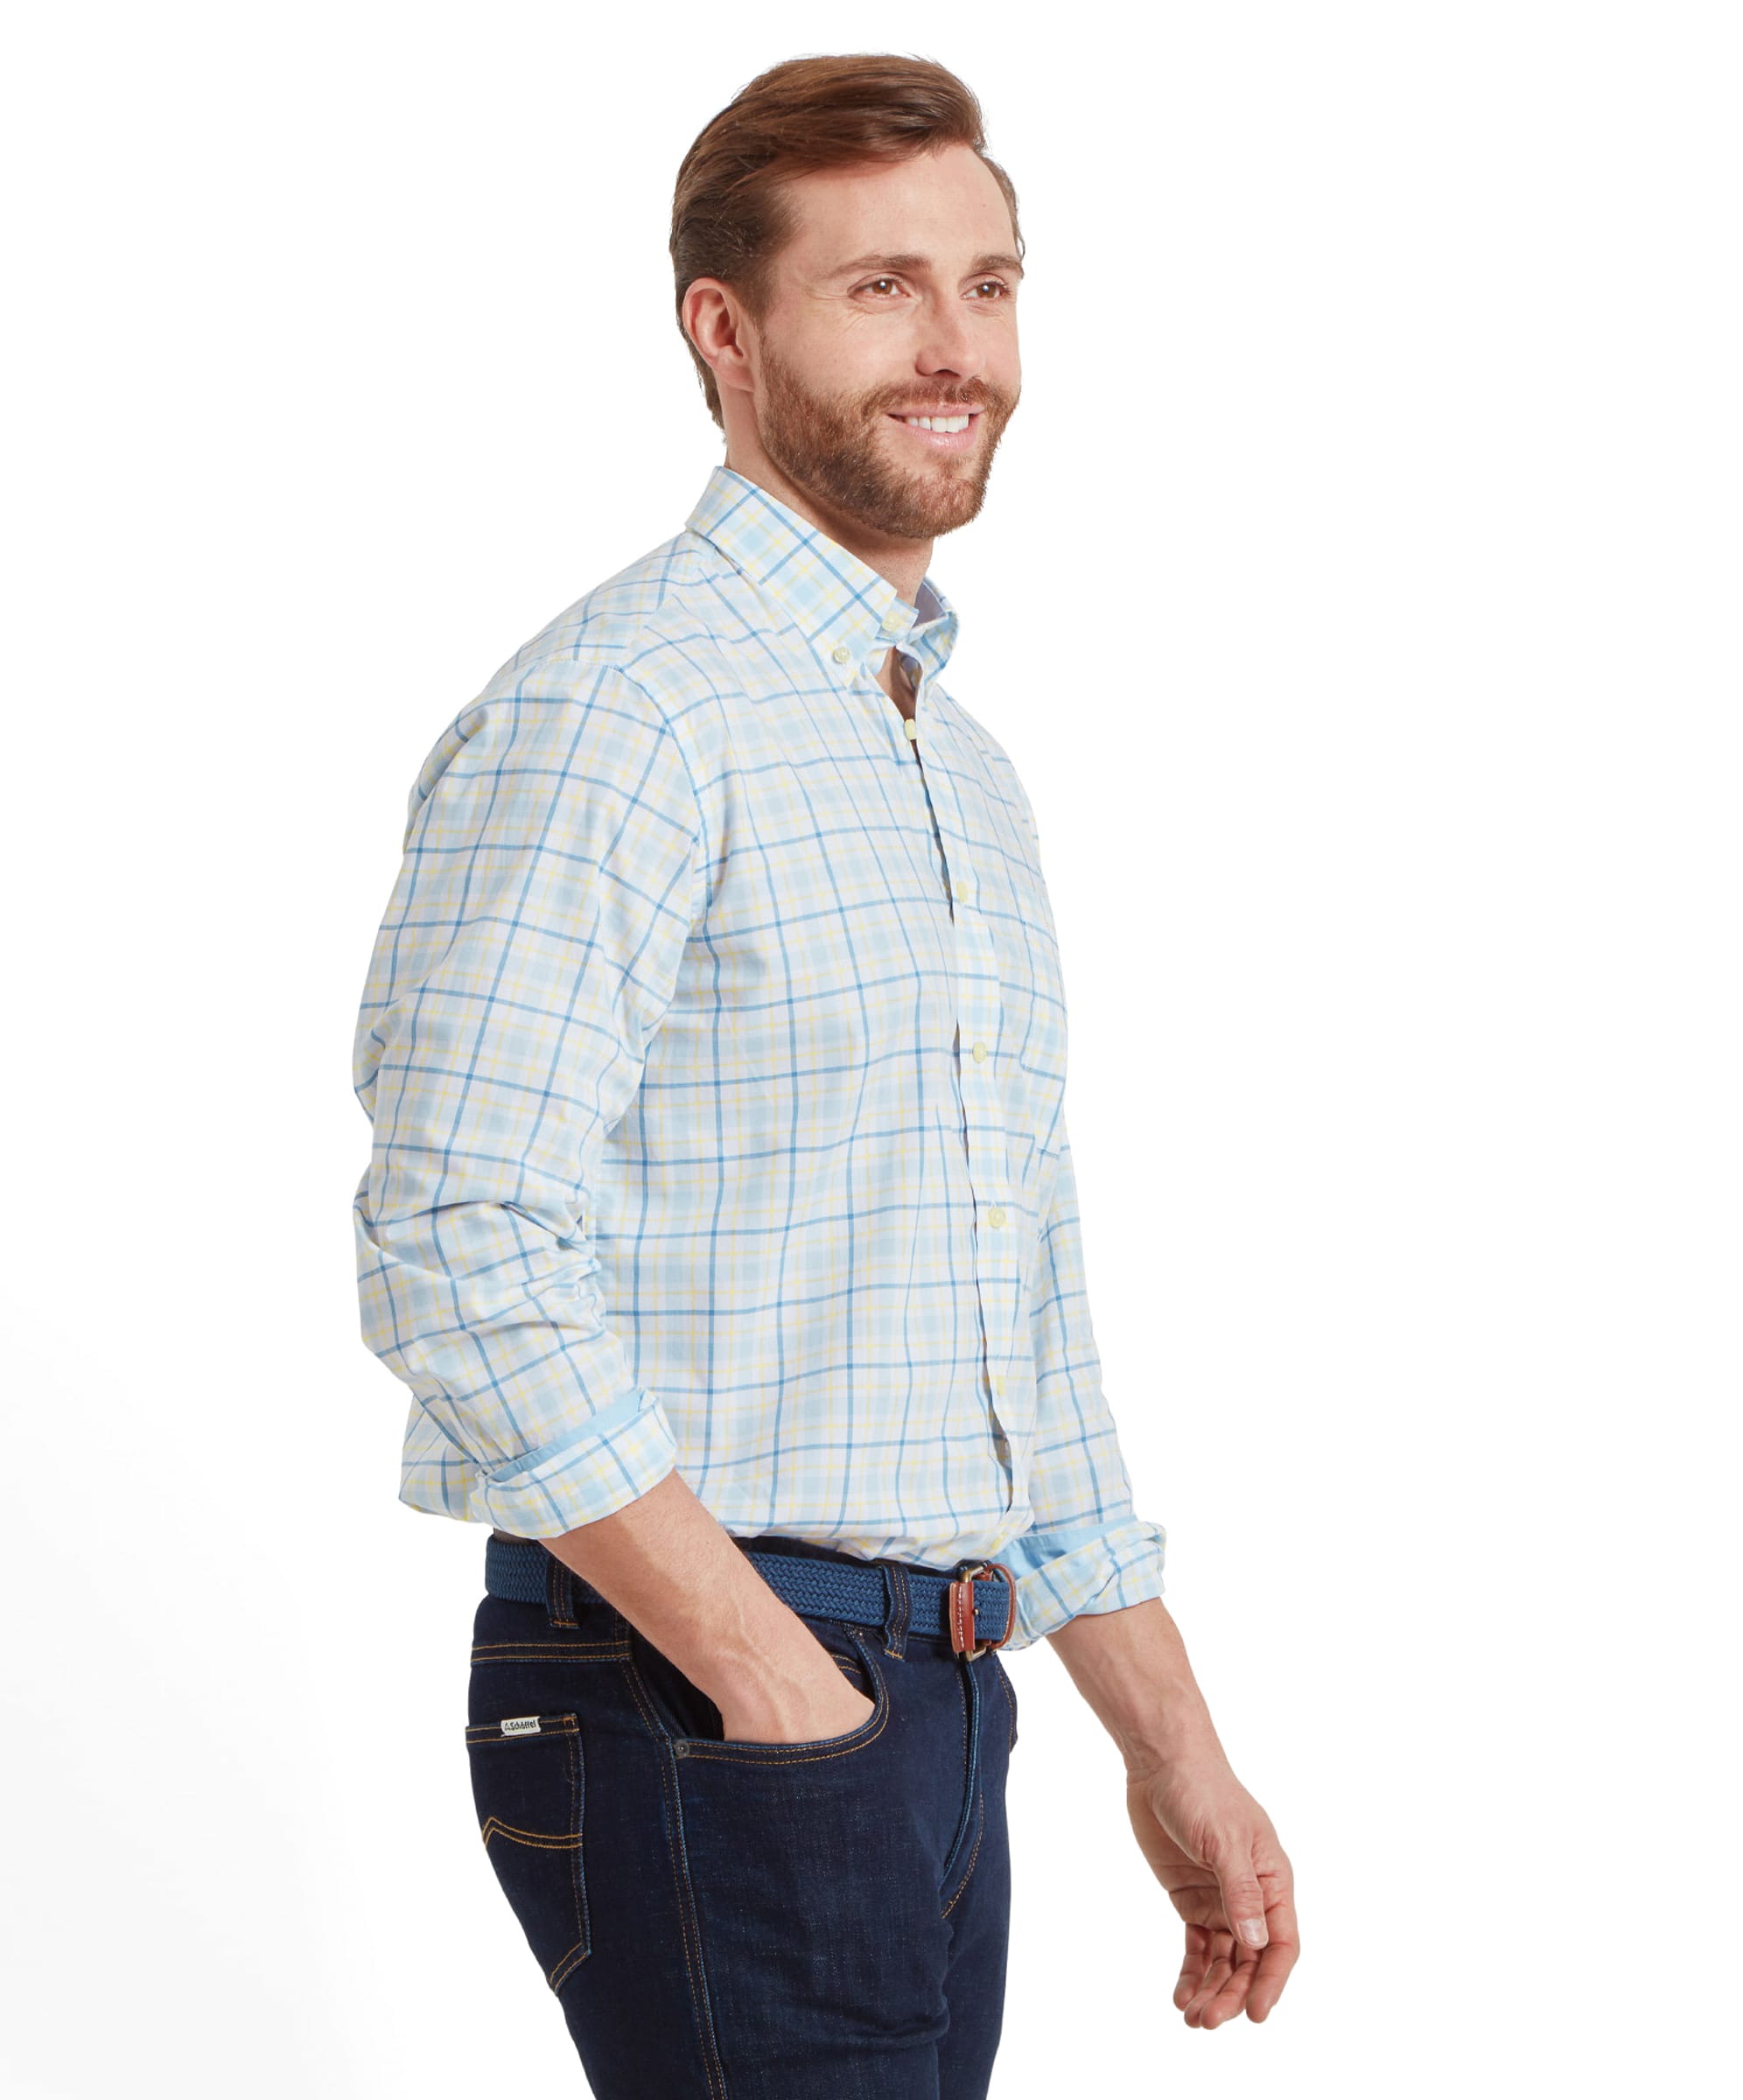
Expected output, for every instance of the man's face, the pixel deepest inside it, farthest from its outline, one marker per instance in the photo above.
(848, 343)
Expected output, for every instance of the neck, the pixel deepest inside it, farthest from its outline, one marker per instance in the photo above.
(902, 563)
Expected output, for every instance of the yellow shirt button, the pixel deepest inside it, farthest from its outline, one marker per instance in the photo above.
(841, 652)
(998, 1385)
(996, 1216)
(980, 1053)
(910, 728)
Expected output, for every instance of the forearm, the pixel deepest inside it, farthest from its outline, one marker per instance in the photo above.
(1132, 1666)
(666, 1563)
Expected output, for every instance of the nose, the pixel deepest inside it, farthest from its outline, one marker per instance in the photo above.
(950, 342)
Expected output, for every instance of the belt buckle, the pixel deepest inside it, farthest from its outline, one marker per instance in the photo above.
(962, 1606)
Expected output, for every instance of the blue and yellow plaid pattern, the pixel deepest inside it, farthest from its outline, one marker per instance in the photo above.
(714, 1044)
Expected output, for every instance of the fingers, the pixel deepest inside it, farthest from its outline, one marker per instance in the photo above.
(1281, 1954)
(1234, 1890)
(1219, 1971)
(1227, 1976)
(1256, 1888)
(1193, 1966)
(1226, 2003)
(1249, 1965)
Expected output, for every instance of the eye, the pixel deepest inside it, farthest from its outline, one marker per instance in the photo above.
(997, 283)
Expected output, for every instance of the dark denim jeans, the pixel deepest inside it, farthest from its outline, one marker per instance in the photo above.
(735, 1921)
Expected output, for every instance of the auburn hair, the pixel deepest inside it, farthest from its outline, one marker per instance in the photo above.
(732, 211)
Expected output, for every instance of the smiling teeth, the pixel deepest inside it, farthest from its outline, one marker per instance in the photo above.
(939, 423)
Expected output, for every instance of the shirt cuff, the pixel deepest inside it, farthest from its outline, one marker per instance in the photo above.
(616, 1456)
(1061, 1574)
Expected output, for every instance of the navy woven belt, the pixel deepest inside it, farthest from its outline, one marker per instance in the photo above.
(982, 1595)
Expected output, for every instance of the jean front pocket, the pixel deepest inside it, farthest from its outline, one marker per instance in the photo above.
(691, 1722)
(528, 1785)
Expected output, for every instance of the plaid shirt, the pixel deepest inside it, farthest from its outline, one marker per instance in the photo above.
(714, 1044)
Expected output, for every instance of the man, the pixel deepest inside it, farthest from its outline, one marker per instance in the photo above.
(721, 1213)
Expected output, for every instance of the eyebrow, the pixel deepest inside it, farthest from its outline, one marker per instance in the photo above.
(906, 263)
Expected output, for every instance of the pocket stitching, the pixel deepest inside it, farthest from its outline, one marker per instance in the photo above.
(732, 1752)
(563, 1727)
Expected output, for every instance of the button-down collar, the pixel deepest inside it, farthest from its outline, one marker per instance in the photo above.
(848, 612)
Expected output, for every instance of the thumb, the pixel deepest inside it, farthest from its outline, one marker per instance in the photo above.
(1243, 1901)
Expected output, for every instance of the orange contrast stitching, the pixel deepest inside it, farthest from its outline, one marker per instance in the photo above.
(687, 1923)
(782, 1754)
(980, 1832)
(566, 1727)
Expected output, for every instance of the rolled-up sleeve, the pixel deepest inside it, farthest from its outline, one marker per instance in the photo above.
(1087, 1549)
(529, 952)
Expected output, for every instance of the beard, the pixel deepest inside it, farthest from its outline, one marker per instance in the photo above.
(832, 446)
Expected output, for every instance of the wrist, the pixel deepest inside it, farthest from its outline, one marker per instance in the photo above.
(1170, 1730)
(763, 1658)
(1130, 1666)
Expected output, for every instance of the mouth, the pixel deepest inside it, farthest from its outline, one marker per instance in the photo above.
(945, 440)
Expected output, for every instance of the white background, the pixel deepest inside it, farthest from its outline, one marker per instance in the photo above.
(1357, 592)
